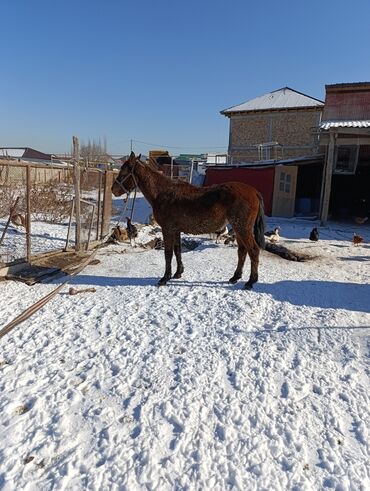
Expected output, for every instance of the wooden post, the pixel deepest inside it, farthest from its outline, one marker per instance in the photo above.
(99, 207)
(28, 212)
(107, 203)
(328, 173)
(77, 183)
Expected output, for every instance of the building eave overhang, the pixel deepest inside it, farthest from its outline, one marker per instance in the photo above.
(228, 113)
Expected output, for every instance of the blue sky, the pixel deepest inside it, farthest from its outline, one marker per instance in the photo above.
(160, 71)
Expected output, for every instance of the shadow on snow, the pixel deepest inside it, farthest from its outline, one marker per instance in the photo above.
(320, 294)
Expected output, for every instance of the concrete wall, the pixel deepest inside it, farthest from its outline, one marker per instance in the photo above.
(292, 129)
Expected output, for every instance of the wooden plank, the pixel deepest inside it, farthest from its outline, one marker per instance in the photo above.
(33, 274)
(360, 140)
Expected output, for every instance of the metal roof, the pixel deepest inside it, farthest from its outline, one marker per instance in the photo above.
(12, 152)
(326, 125)
(284, 98)
(305, 160)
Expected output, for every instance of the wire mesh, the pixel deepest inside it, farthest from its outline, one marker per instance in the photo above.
(12, 213)
(43, 200)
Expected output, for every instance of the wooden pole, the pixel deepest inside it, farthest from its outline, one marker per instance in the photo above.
(28, 212)
(77, 183)
(99, 206)
(327, 179)
(107, 203)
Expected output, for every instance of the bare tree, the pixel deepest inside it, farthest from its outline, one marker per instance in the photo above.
(94, 152)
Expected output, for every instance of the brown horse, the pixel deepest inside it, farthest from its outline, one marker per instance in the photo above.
(180, 207)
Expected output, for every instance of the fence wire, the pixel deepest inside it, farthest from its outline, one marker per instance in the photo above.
(40, 199)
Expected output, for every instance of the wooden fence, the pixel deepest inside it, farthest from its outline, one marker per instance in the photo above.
(37, 208)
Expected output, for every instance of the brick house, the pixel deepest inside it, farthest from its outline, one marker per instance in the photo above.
(274, 145)
(277, 125)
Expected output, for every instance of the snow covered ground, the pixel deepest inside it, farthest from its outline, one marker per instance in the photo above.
(45, 237)
(196, 385)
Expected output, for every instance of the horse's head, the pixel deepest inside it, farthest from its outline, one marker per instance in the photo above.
(125, 181)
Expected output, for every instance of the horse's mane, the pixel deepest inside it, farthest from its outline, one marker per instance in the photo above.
(175, 186)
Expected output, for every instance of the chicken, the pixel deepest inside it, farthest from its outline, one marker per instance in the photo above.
(231, 237)
(131, 230)
(118, 235)
(18, 219)
(357, 239)
(314, 235)
(151, 220)
(220, 232)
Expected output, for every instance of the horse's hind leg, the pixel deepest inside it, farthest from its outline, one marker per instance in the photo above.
(249, 245)
(177, 248)
(254, 254)
(168, 240)
(242, 253)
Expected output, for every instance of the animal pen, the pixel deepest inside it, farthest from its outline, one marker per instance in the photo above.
(49, 208)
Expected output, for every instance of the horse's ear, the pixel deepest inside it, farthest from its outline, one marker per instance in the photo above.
(138, 157)
(132, 155)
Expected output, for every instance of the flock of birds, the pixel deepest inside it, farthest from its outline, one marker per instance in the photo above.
(274, 236)
(229, 235)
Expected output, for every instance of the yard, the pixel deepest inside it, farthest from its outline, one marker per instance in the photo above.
(196, 385)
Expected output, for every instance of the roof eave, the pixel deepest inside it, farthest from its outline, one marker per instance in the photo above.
(227, 112)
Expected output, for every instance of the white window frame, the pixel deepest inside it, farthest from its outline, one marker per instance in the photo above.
(352, 159)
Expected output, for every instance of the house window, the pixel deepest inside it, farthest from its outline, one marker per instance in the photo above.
(285, 183)
(346, 159)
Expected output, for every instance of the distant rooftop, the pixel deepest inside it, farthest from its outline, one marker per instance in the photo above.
(284, 98)
(24, 153)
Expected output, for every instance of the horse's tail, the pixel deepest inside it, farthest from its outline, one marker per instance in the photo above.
(259, 225)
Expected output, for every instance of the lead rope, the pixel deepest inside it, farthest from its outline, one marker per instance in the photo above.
(127, 201)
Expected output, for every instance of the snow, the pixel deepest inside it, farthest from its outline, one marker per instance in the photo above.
(196, 385)
(46, 237)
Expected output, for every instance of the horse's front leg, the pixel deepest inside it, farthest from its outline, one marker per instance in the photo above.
(169, 240)
(177, 247)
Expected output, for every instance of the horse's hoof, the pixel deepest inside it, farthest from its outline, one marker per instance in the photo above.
(248, 286)
(176, 276)
(162, 282)
(234, 279)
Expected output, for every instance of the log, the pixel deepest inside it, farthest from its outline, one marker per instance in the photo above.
(285, 253)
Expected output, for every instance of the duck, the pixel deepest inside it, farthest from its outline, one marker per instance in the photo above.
(275, 237)
(276, 230)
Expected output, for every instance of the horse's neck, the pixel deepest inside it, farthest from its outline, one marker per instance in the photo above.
(151, 182)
